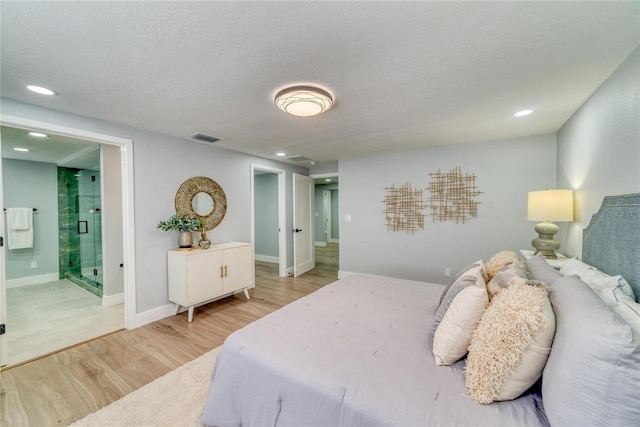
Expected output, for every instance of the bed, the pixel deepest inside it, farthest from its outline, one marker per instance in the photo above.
(359, 352)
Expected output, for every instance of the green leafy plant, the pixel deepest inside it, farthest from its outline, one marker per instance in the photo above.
(181, 223)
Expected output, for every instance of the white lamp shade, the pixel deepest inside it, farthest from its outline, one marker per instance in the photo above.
(550, 205)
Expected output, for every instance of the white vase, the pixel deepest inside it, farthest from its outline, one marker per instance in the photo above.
(185, 239)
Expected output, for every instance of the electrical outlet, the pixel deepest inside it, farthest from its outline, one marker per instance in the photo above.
(34, 264)
(447, 272)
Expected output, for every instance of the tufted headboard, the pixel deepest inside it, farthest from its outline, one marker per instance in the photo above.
(611, 241)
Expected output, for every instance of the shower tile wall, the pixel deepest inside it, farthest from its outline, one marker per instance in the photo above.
(68, 215)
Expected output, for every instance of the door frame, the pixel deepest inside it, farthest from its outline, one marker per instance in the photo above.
(4, 355)
(282, 214)
(128, 227)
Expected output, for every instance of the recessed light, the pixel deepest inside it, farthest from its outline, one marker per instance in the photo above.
(328, 180)
(21, 149)
(41, 90)
(522, 113)
(38, 134)
(281, 154)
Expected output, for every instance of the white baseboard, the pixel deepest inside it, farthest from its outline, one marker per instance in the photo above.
(334, 240)
(33, 280)
(109, 300)
(321, 244)
(267, 258)
(168, 310)
(154, 314)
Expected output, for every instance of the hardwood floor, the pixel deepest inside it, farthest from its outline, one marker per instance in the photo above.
(64, 387)
(51, 316)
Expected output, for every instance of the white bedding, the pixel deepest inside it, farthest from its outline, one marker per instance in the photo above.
(357, 352)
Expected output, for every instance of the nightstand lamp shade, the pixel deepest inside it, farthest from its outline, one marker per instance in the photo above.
(547, 206)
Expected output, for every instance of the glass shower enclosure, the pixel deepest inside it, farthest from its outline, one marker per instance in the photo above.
(80, 227)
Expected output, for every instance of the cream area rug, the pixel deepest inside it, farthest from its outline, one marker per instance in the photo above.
(175, 399)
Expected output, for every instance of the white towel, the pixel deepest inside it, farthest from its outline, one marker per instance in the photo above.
(18, 218)
(19, 238)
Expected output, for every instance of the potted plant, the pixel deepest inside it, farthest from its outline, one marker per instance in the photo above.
(185, 225)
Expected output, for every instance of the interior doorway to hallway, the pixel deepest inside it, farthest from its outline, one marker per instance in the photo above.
(327, 221)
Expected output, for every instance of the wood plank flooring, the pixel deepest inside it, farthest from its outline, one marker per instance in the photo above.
(64, 387)
(51, 316)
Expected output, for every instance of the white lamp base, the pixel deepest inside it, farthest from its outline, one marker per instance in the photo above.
(545, 242)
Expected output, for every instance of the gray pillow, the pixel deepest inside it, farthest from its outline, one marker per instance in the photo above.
(539, 269)
(509, 275)
(592, 376)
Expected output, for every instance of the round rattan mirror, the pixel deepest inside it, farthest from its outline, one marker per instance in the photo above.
(203, 197)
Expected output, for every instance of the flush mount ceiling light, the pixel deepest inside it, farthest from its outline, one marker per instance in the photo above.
(38, 134)
(303, 101)
(21, 149)
(41, 90)
(522, 113)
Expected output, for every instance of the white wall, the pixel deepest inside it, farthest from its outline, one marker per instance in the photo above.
(29, 184)
(599, 148)
(161, 164)
(505, 171)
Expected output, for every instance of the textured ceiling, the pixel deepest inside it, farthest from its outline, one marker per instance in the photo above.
(405, 75)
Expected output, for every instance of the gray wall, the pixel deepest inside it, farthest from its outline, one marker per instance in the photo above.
(33, 185)
(161, 164)
(599, 148)
(324, 168)
(505, 171)
(335, 215)
(266, 214)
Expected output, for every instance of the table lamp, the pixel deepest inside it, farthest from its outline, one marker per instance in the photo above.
(547, 206)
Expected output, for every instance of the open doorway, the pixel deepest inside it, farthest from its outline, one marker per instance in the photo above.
(327, 221)
(268, 216)
(67, 285)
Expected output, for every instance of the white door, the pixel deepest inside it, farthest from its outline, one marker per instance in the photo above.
(304, 256)
(3, 283)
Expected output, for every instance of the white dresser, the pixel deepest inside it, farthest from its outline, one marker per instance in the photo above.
(203, 275)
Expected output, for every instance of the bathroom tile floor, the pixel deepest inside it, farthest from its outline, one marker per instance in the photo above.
(47, 317)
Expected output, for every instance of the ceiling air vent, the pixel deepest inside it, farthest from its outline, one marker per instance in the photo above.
(205, 138)
(298, 158)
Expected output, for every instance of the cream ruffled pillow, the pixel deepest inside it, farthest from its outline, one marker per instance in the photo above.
(511, 344)
(499, 260)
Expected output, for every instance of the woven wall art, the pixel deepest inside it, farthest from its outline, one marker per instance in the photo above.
(453, 196)
(404, 208)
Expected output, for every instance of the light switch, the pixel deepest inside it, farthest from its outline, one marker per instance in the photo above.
(347, 218)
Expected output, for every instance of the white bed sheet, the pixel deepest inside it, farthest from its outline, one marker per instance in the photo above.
(356, 352)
